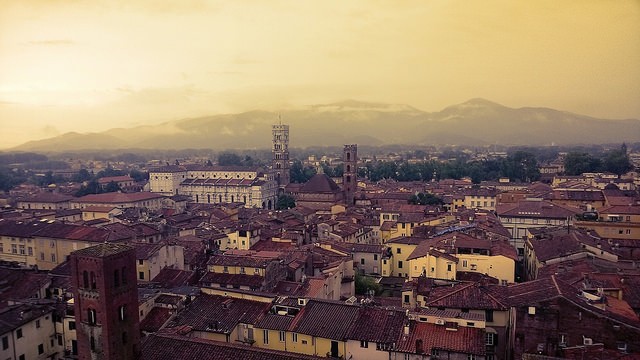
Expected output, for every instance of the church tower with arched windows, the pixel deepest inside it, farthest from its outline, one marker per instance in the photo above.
(280, 153)
(350, 174)
(106, 302)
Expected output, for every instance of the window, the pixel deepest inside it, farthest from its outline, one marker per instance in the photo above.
(141, 275)
(465, 263)
(375, 257)
(294, 337)
(448, 267)
(93, 280)
(30, 251)
(72, 325)
(225, 269)
(21, 357)
(265, 336)
(5, 342)
(141, 262)
(364, 344)
(91, 316)
(37, 324)
(14, 248)
(407, 357)
(22, 250)
(362, 261)
(489, 339)
(471, 357)
(406, 299)
(41, 349)
(92, 343)
(53, 257)
(85, 279)
(399, 264)
(488, 315)
(398, 251)
(19, 333)
(282, 336)
(435, 352)
(122, 313)
(116, 278)
(242, 268)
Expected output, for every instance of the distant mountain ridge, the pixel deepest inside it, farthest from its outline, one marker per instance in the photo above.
(475, 122)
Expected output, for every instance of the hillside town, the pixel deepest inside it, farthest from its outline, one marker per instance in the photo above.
(199, 259)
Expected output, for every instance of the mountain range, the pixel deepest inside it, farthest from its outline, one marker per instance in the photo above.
(476, 122)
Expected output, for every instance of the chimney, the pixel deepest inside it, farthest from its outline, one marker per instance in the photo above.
(406, 329)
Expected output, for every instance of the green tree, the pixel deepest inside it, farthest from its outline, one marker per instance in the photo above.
(229, 159)
(617, 161)
(300, 174)
(112, 186)
(139, 175)
(425, 199)
(366, 283)
(285, 202)
(576, 163)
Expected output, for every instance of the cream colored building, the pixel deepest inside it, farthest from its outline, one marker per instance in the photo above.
(29, 333)
(217, 184)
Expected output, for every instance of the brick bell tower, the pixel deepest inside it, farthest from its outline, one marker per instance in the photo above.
(106, 302)
(350, 174)
(280, 153)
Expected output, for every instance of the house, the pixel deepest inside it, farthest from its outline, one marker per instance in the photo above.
(549, 316)
(532, 213)
(120, 200)
(152, 258)
(556, 245)
(28, 332)
(45, 201)
(219, 318)
(421, 341)
(374, 333)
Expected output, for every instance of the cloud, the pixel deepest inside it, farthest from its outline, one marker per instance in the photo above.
(52, 42)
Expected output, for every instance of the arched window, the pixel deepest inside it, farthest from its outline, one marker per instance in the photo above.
(232, 198)
(208, 198)
(244, 199)
(122, 313)
(85, 279)
(348, 168)
(348, 156)
(94, 283)
(91, 316)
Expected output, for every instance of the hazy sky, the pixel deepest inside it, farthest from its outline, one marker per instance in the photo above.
(83, 66)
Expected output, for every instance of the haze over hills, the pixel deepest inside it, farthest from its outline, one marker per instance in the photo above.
(475, 122)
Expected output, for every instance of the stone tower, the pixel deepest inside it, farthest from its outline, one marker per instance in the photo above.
(106, 302)
(280, 152)
(350, 174)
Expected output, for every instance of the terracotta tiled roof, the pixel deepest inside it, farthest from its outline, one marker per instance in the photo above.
(464, 340)
(275, 322)
(102, 250)
(536, 209)
(223, 280)
(118, 197)
(170, 278)
(175, 347)
(155, 319)
(325, 319)
(377, 325)
(468, 296)
(108, 179)
(320, 183)
(48, 197)
(219, 314)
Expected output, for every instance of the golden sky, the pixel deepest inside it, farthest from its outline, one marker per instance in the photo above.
(72, 65)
